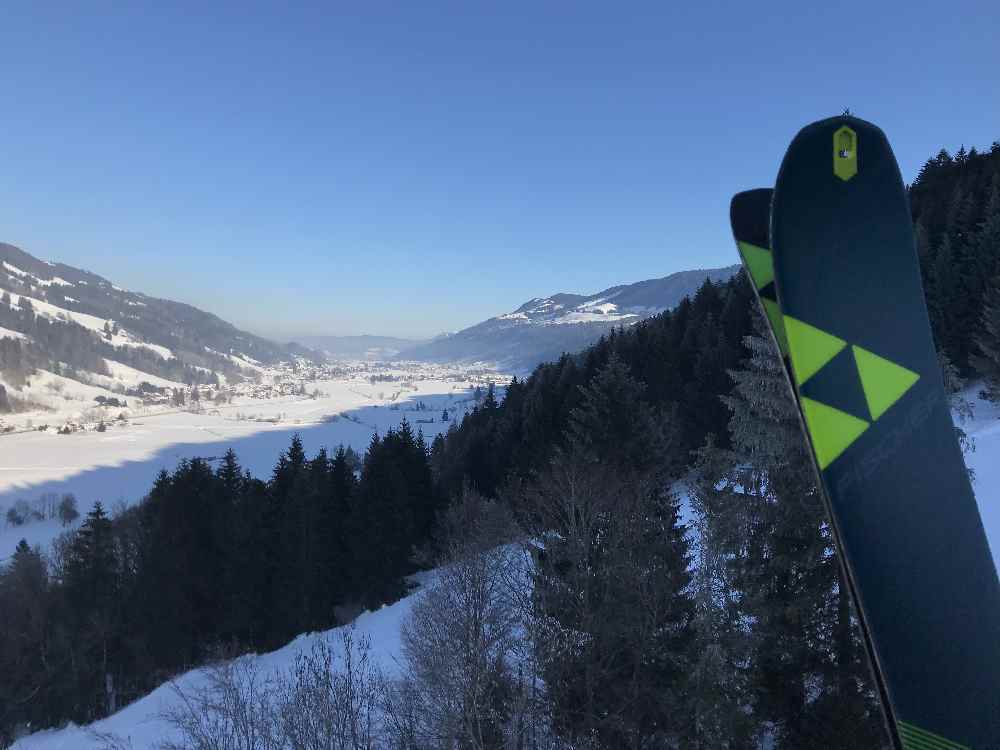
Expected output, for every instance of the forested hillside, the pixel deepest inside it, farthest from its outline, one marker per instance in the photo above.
(544, 327)
(956, 210)
(729, 630)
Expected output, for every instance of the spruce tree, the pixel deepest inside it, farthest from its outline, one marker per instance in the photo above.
(290, 499)
(614, 613)
(336, 563)
(92, 589)
(27, 660)
(943, 292)
(233, 518)
(761, 521)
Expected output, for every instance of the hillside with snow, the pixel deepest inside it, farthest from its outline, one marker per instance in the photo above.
(545, 327)
(142, 726)
(64, 322)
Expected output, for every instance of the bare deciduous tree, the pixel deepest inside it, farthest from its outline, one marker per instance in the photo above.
(331, 700)
(230, 708)
(468, 676)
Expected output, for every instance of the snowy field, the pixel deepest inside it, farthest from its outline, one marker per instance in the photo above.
(119, 465)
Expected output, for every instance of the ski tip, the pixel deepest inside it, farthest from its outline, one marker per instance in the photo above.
(839, 121)
(750, 216)
(842, 148)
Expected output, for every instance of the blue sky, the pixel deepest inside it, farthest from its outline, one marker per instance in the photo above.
(407, 168)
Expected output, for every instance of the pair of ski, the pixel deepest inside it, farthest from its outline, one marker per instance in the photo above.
(830, 253)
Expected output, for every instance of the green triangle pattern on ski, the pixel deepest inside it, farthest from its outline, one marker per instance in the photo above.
(777, 324)
(884, 382)
(809, 348)
(915, 738)
(832, 430)
(759, 263)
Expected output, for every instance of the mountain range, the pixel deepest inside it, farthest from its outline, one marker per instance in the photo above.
(543, 328)
(70, 321)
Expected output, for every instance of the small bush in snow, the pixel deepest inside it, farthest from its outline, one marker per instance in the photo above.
(67, 510)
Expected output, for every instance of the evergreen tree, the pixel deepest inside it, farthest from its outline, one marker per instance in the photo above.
(950, 201)
(381, 523)
(337, 565)
(289, 519)
(762, 521)
(943, 291)
(235, 518)
(613, 425)
(92, 592)
(26, 661)
(611, 590)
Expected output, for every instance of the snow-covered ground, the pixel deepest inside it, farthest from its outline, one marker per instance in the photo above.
(119, 465)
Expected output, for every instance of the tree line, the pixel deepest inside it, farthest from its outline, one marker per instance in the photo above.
(955, 202)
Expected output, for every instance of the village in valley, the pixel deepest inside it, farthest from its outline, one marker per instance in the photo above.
(291, 391)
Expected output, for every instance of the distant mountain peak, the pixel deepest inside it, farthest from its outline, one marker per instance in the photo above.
(545, 327)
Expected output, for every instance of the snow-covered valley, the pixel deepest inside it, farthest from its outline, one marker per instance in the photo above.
(345, 404)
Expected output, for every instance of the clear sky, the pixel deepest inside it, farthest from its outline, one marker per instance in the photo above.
(411, 167)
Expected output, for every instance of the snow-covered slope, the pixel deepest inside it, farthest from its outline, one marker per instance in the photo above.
(545, 327)
(141, 724)
(67, 318)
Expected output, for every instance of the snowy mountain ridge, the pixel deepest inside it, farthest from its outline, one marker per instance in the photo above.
(69, 320)
(545, 327)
